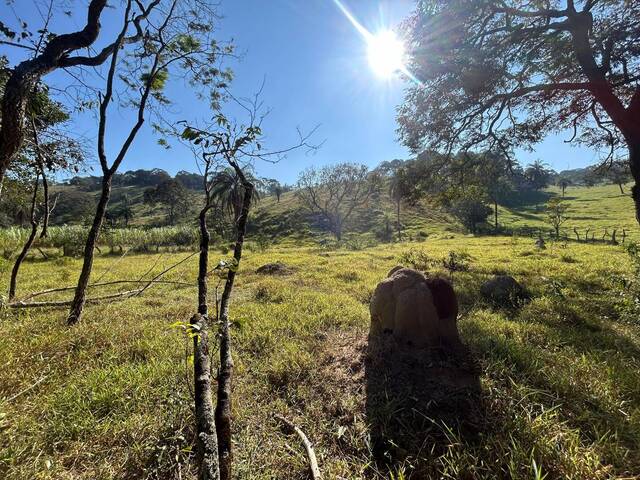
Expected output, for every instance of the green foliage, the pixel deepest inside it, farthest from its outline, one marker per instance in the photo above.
(470, 208)
(556, 210)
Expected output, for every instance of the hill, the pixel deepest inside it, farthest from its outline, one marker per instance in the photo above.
(599, 208)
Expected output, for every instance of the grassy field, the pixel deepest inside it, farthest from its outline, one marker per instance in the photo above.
(110, 397)
(600, 208)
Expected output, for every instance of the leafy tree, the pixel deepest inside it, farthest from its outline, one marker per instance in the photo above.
(493, 174)
(563, 183)
(503, 75)
(49, 53)
(335, 191)
(470, 208)
(228, 190)
(74, 207)
(401, 189)
(538, 175)
(618, 173)
(172, 195)
(274, 187)
(122, 213)
(192, 181)
(556, 213)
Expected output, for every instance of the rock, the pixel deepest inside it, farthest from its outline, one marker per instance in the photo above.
(416, 309)
(503, 291)
(540, 243)
(277, 268)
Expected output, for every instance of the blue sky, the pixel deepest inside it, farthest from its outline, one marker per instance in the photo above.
(314, 64)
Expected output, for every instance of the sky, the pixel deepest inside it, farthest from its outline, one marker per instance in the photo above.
(316, 73)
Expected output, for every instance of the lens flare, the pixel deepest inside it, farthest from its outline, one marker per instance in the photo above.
(386, 53)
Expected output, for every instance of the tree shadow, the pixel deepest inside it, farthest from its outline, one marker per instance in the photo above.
(416, 398)
(529, 199)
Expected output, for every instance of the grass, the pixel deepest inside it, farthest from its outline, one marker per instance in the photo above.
(110, 398)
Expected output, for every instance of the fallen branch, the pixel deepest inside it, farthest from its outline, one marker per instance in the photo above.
(120, 295)
(311, 455)
(102, 284)
(28, 389)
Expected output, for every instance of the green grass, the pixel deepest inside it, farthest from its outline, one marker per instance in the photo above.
(560, 378)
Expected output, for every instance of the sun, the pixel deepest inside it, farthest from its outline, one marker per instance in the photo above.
(386, 53)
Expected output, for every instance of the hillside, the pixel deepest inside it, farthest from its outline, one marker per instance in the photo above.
(596, 208)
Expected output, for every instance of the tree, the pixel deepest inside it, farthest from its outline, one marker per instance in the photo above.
(335, 191)
(470, 208)
(563, 183)
(274, 187)
(227, 189)
(172, 195)
(502, 75)
(49, 55)
(556, 213)
(618, 173)
(401, 189)
(126, 212)
(538, 175)
(494, 174)
(179, 41)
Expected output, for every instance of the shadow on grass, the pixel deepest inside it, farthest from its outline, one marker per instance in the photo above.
(529, 199)
(417, 400)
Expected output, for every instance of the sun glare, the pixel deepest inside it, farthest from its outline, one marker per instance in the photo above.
(386, 53)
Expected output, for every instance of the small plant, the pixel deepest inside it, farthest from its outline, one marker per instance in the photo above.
(556, 210)
(456, 262)
(417, 259)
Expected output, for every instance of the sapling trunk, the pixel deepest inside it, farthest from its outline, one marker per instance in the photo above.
(223, 407)
(25, 249)
(207, 441)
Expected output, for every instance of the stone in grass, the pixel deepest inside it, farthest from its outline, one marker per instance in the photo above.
(415, 309)
(277, 268)
(503, 291)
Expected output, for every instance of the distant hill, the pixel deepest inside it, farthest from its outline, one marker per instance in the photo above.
(597, 208)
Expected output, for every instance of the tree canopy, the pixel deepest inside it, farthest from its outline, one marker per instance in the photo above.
(503, 75)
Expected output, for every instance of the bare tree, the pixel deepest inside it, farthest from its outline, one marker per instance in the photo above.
(179, 38)
(335, 191)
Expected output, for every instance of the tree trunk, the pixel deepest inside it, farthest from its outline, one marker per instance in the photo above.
(20, 259)
(223, 407)
(495, 213)
(27, 245)
(634, 164)
(75, 313)
(398, 221)
(207, 449)
(621, 189)
(203, 264)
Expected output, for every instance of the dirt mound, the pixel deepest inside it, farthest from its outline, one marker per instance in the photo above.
(277, 268)
(416, 309)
